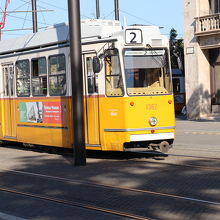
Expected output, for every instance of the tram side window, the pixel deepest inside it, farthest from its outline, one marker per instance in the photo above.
(22, 68)
(39, 77)
(57, 75)
(6, 80)
(92, 84)
(113, 77)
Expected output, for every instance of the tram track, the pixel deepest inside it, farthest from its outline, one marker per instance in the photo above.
(75, 204)
(159, 155)
(99, 185)
(196, 150)
(192, 166)
(194, 156)
(164, 155)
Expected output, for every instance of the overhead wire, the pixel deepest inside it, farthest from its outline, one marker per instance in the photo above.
(26, 19)
(144, 20)
(28, 2)
(128, 13)
(25, 16)
(60, 8)
(111, 13)
(24, 29)
(21, 6)
(42, 15)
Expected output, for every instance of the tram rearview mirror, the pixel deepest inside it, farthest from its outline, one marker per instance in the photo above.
(96, 64)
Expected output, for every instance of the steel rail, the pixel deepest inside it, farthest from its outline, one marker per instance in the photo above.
(191, 166)
(160, 154)
(74, 204)
(192, 156)
(95, 184)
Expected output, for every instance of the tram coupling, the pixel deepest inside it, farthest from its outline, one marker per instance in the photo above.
(162, 146)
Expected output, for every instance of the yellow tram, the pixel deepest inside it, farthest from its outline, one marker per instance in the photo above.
(128, 97)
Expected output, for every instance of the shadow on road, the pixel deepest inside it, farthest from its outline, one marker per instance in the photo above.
(130, 170)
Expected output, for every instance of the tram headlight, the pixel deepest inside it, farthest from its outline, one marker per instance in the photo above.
(153, 121)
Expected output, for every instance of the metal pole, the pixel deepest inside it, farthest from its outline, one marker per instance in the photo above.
(34, 16)
(97, 9)
(79, 151)
(116, 10)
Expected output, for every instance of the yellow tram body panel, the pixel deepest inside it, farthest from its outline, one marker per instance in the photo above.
(127, 116)
(33, 132)
(115, 119)
(8, 117)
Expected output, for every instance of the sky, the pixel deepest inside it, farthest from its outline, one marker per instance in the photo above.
(163, 13)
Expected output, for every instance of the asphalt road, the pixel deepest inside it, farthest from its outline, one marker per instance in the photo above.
(199, 138)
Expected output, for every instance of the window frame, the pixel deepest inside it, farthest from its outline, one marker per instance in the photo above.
(120, 75)
(57, 75)
(20, 78)
(92, 86)
(166, 72)
(39, 76)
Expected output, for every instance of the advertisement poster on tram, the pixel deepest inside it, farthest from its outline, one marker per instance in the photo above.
(41, 112)
(52, 112)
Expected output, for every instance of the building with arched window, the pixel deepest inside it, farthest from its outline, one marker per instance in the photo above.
(202, 58)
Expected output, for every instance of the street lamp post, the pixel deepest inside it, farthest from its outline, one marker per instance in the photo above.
(77, 83)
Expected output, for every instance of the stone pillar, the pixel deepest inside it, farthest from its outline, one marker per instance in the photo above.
(197, 68)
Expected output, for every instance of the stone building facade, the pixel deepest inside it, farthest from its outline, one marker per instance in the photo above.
(202, 58)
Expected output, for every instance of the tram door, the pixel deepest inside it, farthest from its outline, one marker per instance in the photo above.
(92, 104)
(9, 107)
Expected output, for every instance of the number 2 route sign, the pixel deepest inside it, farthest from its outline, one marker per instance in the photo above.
(133, 36)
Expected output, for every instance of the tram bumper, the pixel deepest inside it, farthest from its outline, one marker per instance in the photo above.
(150, 137)
(140, 142)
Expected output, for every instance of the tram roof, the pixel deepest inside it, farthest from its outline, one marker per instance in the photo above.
(90, 30)
(59, 33)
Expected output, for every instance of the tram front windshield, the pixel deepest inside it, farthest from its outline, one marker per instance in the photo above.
(147, 72)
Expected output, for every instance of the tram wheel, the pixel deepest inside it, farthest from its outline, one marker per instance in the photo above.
(164, 146)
